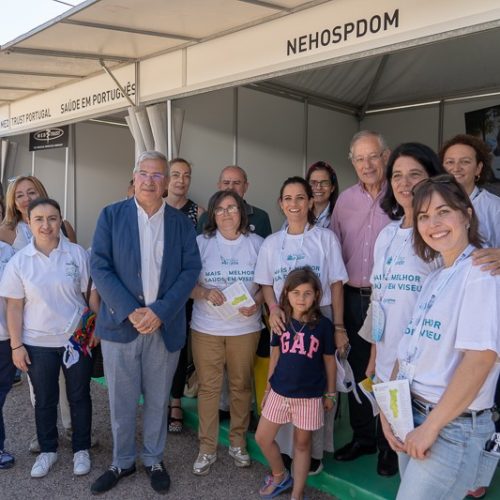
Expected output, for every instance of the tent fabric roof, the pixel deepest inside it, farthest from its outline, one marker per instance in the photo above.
(118, 32)
(440, 70)
(70, 46)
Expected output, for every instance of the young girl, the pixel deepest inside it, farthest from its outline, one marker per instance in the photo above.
(301, 382)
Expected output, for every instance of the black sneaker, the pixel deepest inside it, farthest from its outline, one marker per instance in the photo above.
(110, 478)
(160, 480)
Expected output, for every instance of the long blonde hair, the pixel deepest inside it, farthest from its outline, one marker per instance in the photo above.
(12, 215)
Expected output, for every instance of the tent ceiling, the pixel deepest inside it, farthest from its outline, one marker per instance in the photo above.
(119, 31)
(440, 70)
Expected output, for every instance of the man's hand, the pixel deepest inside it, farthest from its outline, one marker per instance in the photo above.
(144, 320)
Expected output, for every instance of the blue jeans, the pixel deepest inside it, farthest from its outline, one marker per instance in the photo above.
(7, 371)
(46, 363)
(457, 461)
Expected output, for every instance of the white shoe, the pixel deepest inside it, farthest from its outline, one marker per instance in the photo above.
(43, 463)
(203, 462)
(240, 456)
(81, 463)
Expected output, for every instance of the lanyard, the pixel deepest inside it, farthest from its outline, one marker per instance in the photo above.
(426, 306)
(297, 254)
(391, 260)
(322, 220)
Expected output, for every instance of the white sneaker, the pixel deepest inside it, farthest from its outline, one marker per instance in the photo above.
(240, 456)
(43, 463)
(203, 462)
(81, 463)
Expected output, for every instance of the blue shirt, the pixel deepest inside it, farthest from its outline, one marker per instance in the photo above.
(300, 371)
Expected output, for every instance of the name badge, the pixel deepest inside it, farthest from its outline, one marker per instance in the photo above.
(406, 371)
(378, 321)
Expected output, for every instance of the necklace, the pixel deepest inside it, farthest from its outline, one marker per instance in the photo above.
(293, 328)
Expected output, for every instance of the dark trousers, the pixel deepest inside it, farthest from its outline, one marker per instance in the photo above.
(364, 425)
(46, 363)
(179, 380)
(7, 372)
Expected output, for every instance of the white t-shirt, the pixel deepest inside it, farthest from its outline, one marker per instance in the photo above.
(318, 248)
(465, 315)
(6, 252)
(397, 278)
(487, 207)
(52, 290)
(223, 263)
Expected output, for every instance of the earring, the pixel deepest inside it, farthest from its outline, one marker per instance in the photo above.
(477, 177)
(467, 226)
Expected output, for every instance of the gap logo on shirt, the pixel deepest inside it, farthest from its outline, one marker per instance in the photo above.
(297, 346)
(430, 329)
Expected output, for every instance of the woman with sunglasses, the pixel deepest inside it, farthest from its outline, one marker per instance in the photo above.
(448, 353)
(325, 187)
(223, 336)
(398, 273)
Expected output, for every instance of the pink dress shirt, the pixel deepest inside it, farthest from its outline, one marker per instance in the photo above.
(357, 219)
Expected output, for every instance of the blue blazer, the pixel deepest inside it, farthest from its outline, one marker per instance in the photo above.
(115, 266)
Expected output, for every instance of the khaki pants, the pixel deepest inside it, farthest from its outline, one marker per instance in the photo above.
(210, 354)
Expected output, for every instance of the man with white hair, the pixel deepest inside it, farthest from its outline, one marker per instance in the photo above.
(144, 262)
(357, 220)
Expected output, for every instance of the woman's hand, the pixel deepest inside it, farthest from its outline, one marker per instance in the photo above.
(248, 311)
(328, 404)
(419, 441)
(216, 297)
(393, 441)
(94, 341)
(277, 320)
(341, 341)
(21, 359)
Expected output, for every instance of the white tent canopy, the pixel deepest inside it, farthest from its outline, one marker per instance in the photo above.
(353, 55)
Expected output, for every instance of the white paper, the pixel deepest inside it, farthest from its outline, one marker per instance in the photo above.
(237, 295)
(394, 401)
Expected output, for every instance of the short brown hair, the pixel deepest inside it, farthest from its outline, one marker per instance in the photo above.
(483, 154)
(455, 197)
(213, 203)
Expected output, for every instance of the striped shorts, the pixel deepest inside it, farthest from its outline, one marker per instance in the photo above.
(304, 413)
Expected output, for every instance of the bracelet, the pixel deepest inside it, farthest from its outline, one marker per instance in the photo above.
(274, 306)
(332, 396)
(13, 349)
(340, 329)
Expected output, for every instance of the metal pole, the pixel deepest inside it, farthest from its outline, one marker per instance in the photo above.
(66, 161)
(306, 133)
(169, 130)
(441, 124)
(33, 163)
(235, 125)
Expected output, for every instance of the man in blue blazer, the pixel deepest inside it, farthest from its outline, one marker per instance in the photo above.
(145, 263)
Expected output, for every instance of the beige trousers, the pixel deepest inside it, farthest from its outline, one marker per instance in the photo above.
(211, 353)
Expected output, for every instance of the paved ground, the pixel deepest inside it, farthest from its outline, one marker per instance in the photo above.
(224, 482)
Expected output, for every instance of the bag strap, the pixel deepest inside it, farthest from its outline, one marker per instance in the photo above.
(87, 293)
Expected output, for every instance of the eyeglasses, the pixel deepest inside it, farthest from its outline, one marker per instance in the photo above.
(230, 210)
(324, 184)
(371, 158)
(145, 176)
(463, 162)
